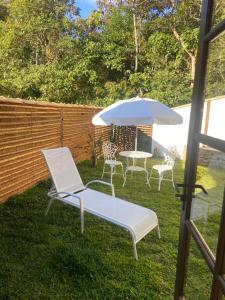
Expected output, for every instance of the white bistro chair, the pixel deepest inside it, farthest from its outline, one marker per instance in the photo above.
(109, 152)
(166, 167)
(70, 189)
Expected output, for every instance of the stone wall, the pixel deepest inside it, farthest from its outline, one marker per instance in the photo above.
(211, 157)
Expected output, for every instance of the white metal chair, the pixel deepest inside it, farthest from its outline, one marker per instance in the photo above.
(167, 166)
(109, 152)
(69, 188)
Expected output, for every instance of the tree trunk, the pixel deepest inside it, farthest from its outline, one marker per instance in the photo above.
(193, 62)
(36, 57)
(136, 43)
(189, 53)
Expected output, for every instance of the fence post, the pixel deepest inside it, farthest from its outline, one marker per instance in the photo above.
(61, 127)
(207, 116)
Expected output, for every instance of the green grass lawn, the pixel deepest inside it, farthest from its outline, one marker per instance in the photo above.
(48, 258)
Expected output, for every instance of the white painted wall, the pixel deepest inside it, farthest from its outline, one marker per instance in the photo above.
(170, 135)
(217, 119)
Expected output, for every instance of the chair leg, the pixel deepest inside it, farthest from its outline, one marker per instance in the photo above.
(122, 171)
(125, 178)
(103, 171)
(160, 180)
(48, 207)
(150, 176)
(147, 180)
(111, 173)
(114, 170)
(158, 230)
(172, 180)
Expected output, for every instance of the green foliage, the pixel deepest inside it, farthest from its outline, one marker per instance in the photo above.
(48, 52)
(117, 41)
(170, 88)
(215, 70)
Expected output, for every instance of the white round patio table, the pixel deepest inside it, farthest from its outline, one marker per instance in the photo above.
(135, 154)
(134, 167)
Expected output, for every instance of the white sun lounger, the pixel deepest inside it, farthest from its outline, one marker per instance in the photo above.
(69, 188)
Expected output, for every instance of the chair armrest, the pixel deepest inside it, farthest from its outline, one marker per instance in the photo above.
(102, 182)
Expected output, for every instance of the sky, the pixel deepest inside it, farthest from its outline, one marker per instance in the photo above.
(86, 6)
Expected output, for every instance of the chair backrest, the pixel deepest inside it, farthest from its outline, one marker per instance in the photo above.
(63, 170)
(109, 150)
(169, 160)
(173, 152)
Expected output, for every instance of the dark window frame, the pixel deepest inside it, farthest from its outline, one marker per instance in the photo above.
(195, 137)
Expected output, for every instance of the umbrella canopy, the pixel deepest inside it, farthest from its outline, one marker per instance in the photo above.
(137, 111)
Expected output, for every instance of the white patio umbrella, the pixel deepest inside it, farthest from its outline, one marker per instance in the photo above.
(137, 111)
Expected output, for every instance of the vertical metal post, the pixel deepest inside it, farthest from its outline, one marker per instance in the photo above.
(136, 137)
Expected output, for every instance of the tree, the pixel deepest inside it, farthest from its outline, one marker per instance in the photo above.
(184, 23)
(124, 48)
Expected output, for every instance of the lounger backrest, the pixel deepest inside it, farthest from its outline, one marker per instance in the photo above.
(63, 170)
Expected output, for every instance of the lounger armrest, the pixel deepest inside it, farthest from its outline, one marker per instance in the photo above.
(73, 195)
(102, 182)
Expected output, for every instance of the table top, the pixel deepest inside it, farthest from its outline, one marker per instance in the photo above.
(135, 154)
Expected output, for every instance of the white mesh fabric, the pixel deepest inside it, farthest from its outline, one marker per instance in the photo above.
(63, 170)
(137, 219)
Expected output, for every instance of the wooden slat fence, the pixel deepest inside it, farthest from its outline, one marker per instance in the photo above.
(26, 127)
(144, 138)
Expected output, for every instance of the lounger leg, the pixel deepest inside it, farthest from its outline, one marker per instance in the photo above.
(158, 230)
(82, 221)
(134, 248)
(48, 207)
(81, 216)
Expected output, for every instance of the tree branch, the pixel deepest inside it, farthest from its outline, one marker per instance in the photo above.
(178, 37)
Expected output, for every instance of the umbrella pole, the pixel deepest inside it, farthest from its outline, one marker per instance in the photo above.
(136, 138)
(113, 133)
